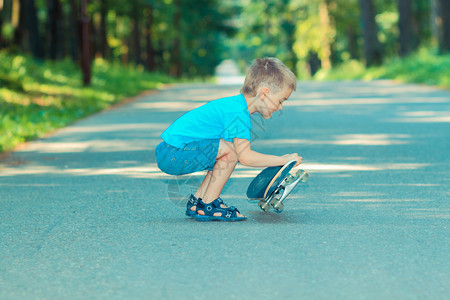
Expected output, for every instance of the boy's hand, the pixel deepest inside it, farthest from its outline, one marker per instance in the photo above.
(293, 156)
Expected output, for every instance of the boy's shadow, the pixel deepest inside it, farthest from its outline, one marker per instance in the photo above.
(272, 217)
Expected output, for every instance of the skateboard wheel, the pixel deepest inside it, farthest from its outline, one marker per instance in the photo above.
(290, 179)
(304, 176)
(273, 201)
(265, 206)
(278, 206)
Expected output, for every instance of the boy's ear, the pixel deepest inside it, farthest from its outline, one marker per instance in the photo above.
(263, 92)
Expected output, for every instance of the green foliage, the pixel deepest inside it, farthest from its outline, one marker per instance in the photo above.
(301, 32)
(423, 67)
(312, 32)
(203, 29)
(189, 38)
(134, 31)
(11, 83)
(53, 96)
(265, 28)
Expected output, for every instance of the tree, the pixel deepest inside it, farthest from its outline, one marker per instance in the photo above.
(85, 49)
(288, 15)
(345, 19)
(17, 21)
(268, 28)
(103, 49)
(1, 23)
(315, 35)
(150, 50)
(25, 23)
(54, 28)
(444, 26)
(372, 48)
(203, 34)
(74, 17)
(176, 60)
(178, 37)
(136, 17)
(434, 16)
(408, 27)
(325, 40)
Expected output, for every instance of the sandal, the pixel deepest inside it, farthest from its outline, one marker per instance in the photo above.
(228, 214)
(191, 202)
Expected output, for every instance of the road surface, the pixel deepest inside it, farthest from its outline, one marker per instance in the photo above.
(86, 214)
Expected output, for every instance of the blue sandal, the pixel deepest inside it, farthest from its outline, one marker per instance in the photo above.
(228, 214)
(191, 202)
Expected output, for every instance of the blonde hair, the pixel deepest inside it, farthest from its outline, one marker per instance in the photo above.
(268, 71)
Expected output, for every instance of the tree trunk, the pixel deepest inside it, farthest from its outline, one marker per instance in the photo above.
(15, 13)
(32, 28)
(148, 38)
(176, 68)
(136, 34)
(444, 41)
(85, 53)
(93, 37)
(352, 42)
(314, 63)
(325, 26)
(54, 28)
(17, 21)
(408, 28)
(161, 64)
(372, 47)
(103, 49)
(1, 23)
(125, 54)
(434, 17)
(74, 35)
(290, 46)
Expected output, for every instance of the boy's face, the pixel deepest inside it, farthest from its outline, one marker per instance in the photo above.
(274, 102)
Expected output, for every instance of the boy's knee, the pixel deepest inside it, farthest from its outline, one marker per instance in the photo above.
(231, 156)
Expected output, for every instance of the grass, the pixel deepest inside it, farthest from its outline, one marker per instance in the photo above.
(423, 67)
(39, 97)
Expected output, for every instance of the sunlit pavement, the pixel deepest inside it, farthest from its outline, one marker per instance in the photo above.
(85, 213)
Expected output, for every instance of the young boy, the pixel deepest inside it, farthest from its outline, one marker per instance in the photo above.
(216, 136)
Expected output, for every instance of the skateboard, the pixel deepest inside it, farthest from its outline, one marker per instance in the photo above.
(273, 184)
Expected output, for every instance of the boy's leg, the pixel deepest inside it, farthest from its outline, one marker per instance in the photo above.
(202, 189)
(226, 161)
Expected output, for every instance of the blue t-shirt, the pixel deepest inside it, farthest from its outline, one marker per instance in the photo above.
(224, 118)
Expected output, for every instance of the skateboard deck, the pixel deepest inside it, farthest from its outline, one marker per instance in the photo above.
(273, 184)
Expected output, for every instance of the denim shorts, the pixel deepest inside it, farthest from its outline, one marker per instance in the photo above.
(194, 157)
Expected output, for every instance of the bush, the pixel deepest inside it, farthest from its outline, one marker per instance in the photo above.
(423, 67)
(38, 97)
(10, 83)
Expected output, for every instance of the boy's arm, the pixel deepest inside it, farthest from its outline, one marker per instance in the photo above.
(250, 158)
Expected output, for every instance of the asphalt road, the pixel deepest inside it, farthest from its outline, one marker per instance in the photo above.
(86, 214)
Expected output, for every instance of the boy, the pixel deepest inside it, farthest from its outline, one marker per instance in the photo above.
(216, 136)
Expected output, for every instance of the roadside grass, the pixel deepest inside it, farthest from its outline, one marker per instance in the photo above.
(423, 67)
(39, 97)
